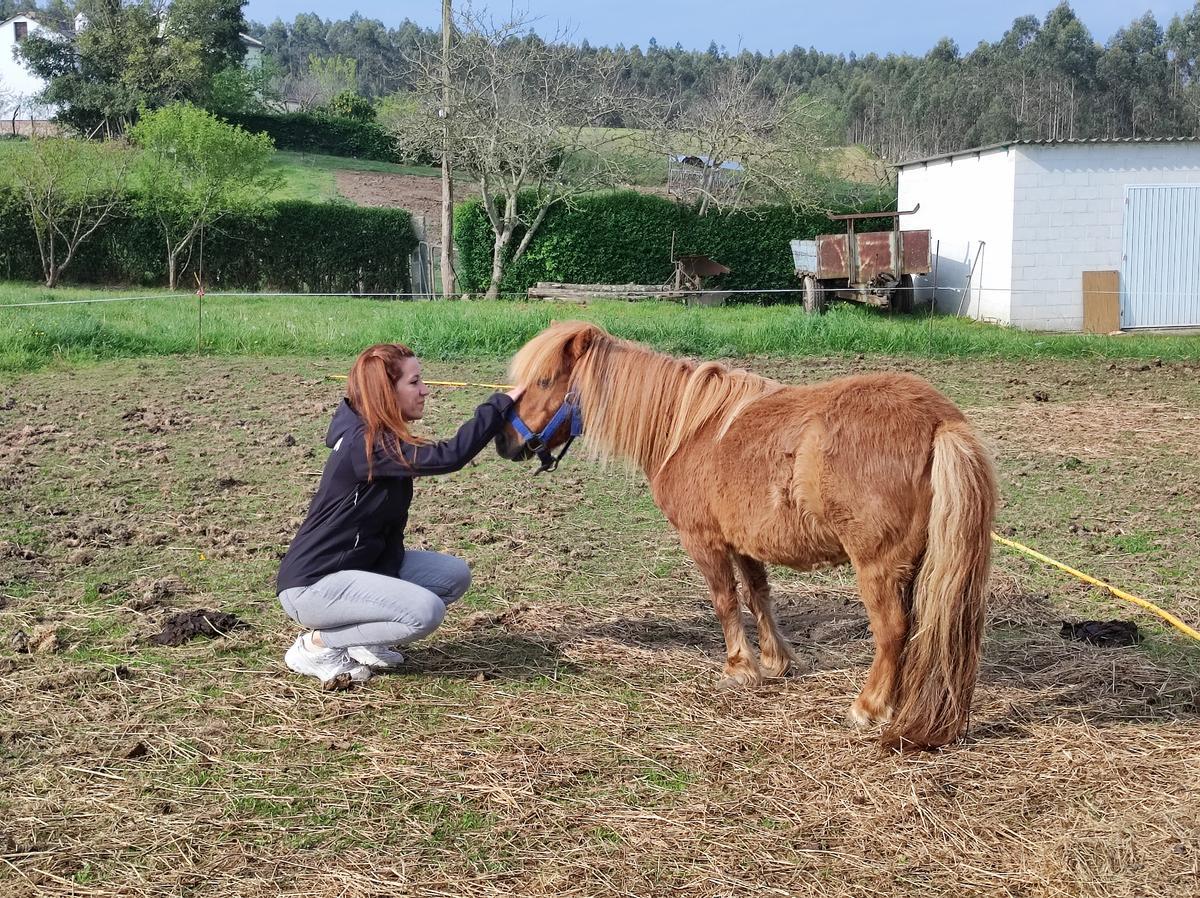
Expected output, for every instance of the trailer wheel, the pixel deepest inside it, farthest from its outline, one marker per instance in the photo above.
(902, 297)
(814, 299)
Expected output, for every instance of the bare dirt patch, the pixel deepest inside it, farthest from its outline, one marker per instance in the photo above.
(419, 194)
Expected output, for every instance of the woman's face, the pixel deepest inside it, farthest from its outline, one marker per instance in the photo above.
(411, 390)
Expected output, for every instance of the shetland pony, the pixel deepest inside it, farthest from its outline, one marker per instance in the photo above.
(878, 470)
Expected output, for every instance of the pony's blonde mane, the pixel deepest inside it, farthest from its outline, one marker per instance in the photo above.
(638, 404)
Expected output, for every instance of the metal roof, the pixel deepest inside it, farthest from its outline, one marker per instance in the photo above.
(705, 161)
(1074, 141)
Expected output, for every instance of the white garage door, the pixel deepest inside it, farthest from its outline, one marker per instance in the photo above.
(1160, 261)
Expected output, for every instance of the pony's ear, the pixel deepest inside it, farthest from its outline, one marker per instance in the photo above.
(579, 344)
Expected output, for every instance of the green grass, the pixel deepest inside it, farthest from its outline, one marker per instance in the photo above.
(643, 163)
(310, 176)
(31, 338)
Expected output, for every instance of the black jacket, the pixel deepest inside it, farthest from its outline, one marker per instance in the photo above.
(356, 525)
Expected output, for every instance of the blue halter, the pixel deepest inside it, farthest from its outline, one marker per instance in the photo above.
(537, 442)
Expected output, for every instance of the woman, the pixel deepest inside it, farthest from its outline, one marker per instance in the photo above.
(346, 576)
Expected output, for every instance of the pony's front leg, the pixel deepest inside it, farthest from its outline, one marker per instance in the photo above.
(741, 667)
(777, 654)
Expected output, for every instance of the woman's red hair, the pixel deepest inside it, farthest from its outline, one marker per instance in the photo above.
(371, 390)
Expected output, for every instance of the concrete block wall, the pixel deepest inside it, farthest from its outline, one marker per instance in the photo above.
(1069, 213)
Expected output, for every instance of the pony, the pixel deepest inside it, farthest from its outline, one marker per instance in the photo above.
(878, 470)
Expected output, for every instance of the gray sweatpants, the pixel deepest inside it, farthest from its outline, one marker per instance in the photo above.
(352, 608)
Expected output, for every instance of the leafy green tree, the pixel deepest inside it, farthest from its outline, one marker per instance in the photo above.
(214, 26)
(128, 56)
(348, 104)
(193, 169)
(69, 188)
(1183, 45)
(237, 89)
(1136, 79)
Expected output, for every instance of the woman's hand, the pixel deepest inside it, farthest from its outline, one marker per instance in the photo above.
(515, 393)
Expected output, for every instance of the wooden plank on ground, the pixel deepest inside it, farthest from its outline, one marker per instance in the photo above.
(583, 292)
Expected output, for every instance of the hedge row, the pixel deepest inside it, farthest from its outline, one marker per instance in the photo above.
(328, 134)
(626, 237)
(295, 246)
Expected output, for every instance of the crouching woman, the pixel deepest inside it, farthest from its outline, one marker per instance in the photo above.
(346, 577)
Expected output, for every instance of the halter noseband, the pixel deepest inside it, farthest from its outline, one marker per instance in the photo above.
(537, 442)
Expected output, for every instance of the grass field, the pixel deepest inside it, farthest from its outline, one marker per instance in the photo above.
(644, 164)
(312, 326)
(561, 734)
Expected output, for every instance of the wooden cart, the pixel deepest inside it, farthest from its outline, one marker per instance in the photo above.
(875, 268)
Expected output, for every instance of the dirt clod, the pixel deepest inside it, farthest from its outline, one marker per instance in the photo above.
(187, 625)
(134, 749)
(1104, 633)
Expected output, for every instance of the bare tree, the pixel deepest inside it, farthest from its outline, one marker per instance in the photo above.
(69, 188)
(523, 124)
(322, 80)
(747, 146)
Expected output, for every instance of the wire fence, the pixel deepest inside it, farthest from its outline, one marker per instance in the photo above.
(629, 294)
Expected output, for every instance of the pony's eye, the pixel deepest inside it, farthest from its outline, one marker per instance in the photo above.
(544, 383)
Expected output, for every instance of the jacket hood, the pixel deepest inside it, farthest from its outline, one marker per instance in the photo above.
(345, 419)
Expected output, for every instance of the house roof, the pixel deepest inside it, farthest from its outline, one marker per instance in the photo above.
(22, 15)
(33, 17)
(705, 161)
(246, 39)
(1075, 141)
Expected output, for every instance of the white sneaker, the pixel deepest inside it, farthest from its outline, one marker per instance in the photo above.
(324, 664)
(377, 657)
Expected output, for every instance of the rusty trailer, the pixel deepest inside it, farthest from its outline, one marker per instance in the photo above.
(875, 267)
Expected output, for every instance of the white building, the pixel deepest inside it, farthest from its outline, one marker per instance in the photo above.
(1016, 225)
(19, 87)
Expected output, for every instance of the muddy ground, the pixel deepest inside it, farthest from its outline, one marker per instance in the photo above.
(561, 734)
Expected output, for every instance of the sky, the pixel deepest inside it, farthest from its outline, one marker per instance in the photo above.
(860, 26)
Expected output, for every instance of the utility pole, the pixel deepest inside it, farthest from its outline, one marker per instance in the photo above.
(448, 284)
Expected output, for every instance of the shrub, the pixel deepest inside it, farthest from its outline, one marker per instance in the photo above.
(350, 105)
(291, 245)
(626, 237)
(331, 135)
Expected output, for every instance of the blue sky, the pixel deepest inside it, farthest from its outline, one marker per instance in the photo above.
(861, 26)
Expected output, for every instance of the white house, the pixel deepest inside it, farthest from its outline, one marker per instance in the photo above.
(19, 86)
(1016, 225)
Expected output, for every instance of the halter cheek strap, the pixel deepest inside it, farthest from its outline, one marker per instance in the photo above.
(537, 442)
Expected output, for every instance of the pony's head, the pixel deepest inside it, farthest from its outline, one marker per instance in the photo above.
(545, 366)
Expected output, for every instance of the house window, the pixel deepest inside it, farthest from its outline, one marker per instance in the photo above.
(20, 30)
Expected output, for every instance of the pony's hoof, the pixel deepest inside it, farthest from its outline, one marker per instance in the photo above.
(776, 669)
(862, 718)
(781, 667)
(740, 679)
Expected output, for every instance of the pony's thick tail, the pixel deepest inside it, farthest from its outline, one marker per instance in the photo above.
(941, 658)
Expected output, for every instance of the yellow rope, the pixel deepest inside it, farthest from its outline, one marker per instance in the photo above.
(1120, 594)
(443, 383)
(455, 383)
